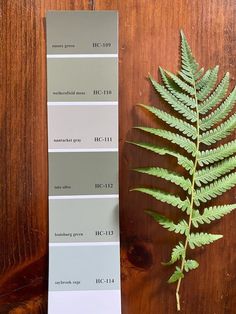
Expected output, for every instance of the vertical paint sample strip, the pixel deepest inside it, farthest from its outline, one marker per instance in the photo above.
(82, 71)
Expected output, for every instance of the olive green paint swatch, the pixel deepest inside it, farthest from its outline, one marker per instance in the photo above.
(87, 173)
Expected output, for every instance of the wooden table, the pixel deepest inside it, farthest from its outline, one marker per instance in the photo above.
(149, 37)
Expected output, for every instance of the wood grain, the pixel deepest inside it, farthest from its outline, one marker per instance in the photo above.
(149, 37)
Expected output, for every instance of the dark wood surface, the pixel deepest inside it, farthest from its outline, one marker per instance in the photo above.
(149, 37)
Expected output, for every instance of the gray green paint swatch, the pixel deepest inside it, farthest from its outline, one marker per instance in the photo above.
(83, 173)
(86, 268)
(94, 80)
(81, 220)
(87, 32)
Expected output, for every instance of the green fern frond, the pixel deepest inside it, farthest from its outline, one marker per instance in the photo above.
(209, 85)
(223, 130)
(212, 173)
(176, 105)
(190, 264)
(181, 227)
(165, 198)
(204, 109)
(168, 175)
(210, 156)
(180, 125)
(201, 239)
(211, 214)
(216, 97)
(220, 113)
(215, 189)
(177, 139)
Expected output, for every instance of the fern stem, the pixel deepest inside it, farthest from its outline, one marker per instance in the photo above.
(191, 201)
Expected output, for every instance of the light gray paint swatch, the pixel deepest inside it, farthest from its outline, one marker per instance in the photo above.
(84, 268)
(81, 220)
(87, 173)
(85, 32)
(86, 127)
(82, 79)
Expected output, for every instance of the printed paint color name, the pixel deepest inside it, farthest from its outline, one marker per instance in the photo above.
(64, 187)
(70, 234)
(66, 46)
(67, 140)
(67, 282)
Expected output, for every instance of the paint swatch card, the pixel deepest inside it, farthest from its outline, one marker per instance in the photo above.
(82, 127)
(82, 85)
(95, 79)
(84, 220)
(83, 173)
(86, 267)
(82, 32)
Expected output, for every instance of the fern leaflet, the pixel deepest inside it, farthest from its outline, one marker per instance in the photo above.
(215, 189)
(166, 198)
(178, 253)
(190, 265)
(201, 239)
(181, 227)
(174, 122)
(210, 214)
(168, 175)
(182, 141)
(216, 96)
(212, 173)
(220, 113)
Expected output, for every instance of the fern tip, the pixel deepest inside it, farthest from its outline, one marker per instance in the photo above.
(135, 169)
(130, 142)
(151, 78)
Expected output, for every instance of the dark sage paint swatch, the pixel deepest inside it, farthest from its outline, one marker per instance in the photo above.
(87, 173)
